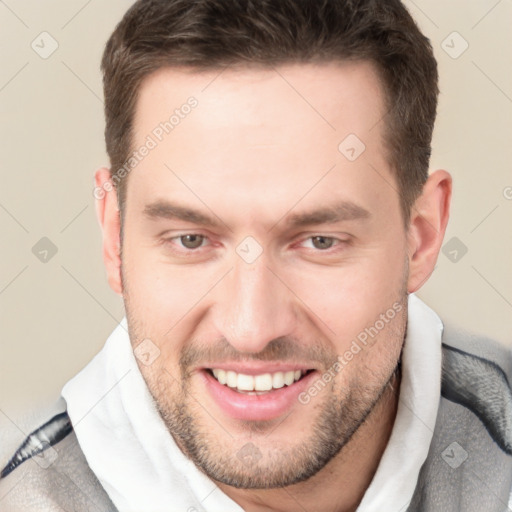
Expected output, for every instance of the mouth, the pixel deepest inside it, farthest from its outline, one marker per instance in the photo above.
(256, 394)
(256, 384)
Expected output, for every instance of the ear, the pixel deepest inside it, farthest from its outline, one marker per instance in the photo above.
(429, 217)
(108, 215)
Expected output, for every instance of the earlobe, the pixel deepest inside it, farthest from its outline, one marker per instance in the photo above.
(108, 216)
(429, 218)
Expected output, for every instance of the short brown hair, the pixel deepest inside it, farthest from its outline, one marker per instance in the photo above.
(212, 34)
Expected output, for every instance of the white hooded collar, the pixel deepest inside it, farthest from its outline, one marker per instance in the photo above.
(129, 448)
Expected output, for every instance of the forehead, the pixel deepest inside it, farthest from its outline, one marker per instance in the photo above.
(330, 96)
(271, 131)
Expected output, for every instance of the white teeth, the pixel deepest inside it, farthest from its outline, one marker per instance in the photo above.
(278, 380)
(221, 376)
(245, 382)
(232, 378)
(263, 382)
(257, 383)
(289, 377)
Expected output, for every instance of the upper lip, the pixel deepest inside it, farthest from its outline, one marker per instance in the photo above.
(257, 368)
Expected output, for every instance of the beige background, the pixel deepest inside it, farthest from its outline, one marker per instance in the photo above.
(56, 315)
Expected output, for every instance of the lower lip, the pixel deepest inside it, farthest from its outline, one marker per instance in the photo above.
(268, 406)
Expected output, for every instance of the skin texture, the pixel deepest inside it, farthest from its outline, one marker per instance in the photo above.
(261, 148)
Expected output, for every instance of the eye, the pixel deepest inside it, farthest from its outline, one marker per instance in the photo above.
(320, 242)
(190, 241)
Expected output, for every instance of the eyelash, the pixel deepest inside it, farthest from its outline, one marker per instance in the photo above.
(337, 243)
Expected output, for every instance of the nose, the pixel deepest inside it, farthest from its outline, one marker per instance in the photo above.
(253, 307)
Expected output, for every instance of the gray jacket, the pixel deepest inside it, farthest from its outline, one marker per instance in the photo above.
(468, 468)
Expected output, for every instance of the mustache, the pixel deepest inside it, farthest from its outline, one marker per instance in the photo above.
(283, 349)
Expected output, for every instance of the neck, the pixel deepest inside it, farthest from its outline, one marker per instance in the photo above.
(341, 484)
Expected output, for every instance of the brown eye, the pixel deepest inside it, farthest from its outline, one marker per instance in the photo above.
(322, 242)
(192, 241)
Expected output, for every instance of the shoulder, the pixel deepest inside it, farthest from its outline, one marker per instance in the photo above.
(48, 471)
(478, 345)
(469, 463)
(477, 374)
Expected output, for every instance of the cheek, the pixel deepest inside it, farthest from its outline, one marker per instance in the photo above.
(165, 298)
(348, 299)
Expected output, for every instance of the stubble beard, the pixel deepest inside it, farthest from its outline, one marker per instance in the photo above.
(216, 452)
(268, 467)
(220, 453)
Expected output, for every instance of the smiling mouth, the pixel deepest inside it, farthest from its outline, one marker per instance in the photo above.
(257, 384)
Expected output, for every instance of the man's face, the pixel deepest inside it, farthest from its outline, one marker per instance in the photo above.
(257, 250)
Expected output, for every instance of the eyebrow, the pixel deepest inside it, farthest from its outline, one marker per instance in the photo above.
(343, 211)
(167, 210)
